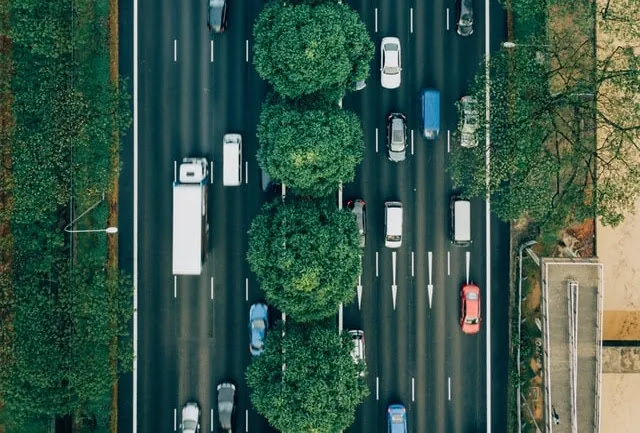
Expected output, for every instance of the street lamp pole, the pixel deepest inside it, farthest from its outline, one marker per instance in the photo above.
(108, 230)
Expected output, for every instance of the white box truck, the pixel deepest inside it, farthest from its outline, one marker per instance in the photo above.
(190, 226)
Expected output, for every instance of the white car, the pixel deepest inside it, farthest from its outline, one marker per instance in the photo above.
(390, 62)
(357, 352)
(190, 418)
(469, 122)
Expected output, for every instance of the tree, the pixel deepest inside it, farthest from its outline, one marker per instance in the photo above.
(564, 129)
(310, 147)
(306, 256)
(303, 48)
(320, 386)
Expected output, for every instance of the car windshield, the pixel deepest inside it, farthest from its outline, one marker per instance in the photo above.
(471, 320)
(393, 238)
(189, 425)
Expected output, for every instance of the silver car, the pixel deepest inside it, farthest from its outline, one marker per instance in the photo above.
(469, 121)
(397, 137)
(359, 209)
(226, 404)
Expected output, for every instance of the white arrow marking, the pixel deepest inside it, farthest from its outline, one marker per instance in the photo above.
(468, 257)
(394, 287)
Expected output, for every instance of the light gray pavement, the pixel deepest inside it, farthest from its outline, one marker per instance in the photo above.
(556, 273)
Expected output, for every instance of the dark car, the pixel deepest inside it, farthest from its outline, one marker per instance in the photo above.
(226, 404)
(397, 137)
(258, 324)
(267, 184)
(465, 17)
(217, 17)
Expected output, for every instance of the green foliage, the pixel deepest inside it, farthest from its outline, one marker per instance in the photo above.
(306, 256)
(309, 147)
(319, 46)
(65, 310)
(320, 387)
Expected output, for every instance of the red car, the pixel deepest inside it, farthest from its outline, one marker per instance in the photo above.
(470, 309)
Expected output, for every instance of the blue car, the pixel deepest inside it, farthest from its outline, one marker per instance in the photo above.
(397, 418)
(258, 324)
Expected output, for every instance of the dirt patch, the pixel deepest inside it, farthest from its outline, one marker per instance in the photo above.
(532, 304)
(621, 325)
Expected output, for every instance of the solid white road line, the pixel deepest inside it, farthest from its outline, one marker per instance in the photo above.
(134, 416)
(175, 286)
(175, 171)
(448, 141)
(413, 389)
(468, 263)
(376, 140)
(449, 388)
(376, 263)
(377, 388)
(212, 288)
(376, 19)
(211, 51)
(211, 426)
(246, 50)
(447, 18)
(340, 196)
(175, 50)
(412, 264)
(246, 420)
(211, 173)
(340, 318)
(411, 21)
(246, 289)
(175, 419)
(487, 53)
(246, 172)
(412, 141)
(448, 262)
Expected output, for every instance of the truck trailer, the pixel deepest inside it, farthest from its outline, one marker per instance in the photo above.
(190, 226)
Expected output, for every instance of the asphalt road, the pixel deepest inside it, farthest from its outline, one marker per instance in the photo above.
(191, 342)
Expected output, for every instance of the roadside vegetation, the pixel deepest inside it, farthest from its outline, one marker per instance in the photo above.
(64, 319)
(305, 251)
(306, 380)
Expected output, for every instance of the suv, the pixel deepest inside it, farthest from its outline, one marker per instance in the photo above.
(397, 137)
(465, 17)
(468, 122)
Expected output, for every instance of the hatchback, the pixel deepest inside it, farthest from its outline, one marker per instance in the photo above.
(226, 404)
(190, 418)
(465, 17)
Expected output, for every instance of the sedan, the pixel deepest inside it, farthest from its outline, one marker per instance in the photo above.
(396, 418)
(359, 209)
(258, 324)
(357, 353)
(190, 418)
(397, 137)
(470, 309)
(226, 404)
(469, 121)
(217, 17)
(390, 62)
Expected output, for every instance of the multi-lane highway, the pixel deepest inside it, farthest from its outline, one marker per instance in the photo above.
(192, 331)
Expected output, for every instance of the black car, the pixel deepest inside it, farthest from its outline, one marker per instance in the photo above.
(217, 17)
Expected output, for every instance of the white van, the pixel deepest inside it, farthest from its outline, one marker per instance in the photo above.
(392, 224)
(232, 160)
(460, 221)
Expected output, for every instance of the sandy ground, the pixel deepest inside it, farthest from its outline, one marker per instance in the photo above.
(619, 403)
